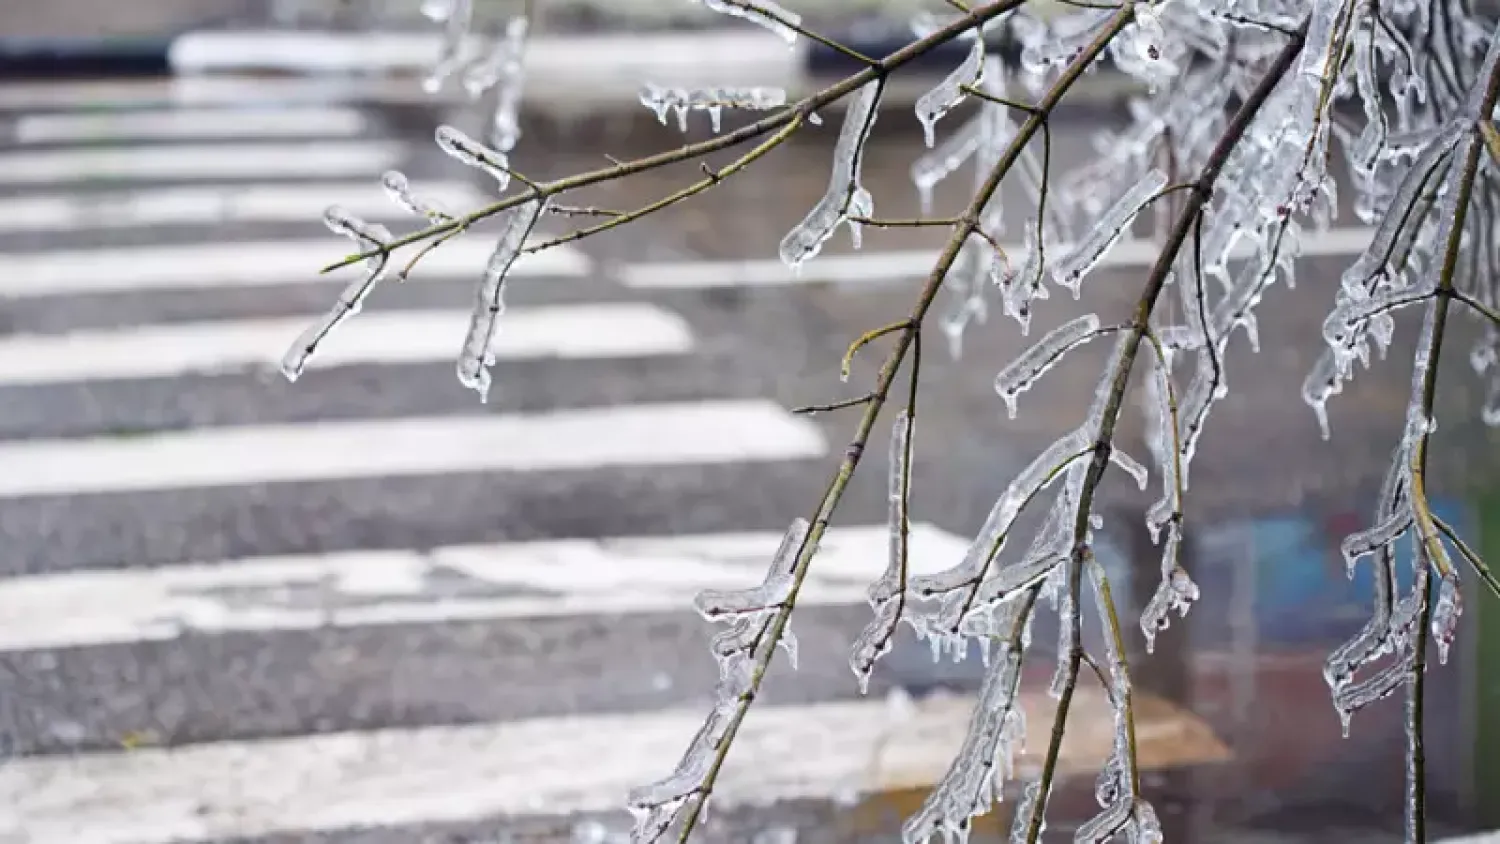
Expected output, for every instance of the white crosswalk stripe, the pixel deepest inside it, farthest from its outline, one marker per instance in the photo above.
(405, 614)
(876, 267)
(557, 766)
(199, 161)
(515, 580)
(237, 123)
(219, 205)
(407, 336)
(638, 435)
(246, 264)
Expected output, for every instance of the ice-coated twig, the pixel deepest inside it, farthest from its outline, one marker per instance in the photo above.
(887, 595)
(1107, 231)
(471, 152)
(976, 778)
(716, 605)
(1025, 370)
(367, 236)
(750, 612)
(765, 13)
(478, 353)
(845, 197)
(949, 92)
(398, 188)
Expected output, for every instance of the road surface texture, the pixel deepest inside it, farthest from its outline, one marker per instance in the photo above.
(365, 607)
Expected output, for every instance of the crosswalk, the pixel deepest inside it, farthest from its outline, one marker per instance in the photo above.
(365, 600)
(366, 606)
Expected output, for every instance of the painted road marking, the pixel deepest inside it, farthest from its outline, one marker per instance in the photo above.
(457, 583)
(314, 159)
(217, 205)
(624, 330)
(667, 434)
(178, 124)
(545, 766)
(900, 266)
(199, 266)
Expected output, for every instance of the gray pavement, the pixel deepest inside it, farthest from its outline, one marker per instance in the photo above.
(781, 343)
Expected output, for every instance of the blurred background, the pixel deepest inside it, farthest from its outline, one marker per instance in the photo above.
(366, 607)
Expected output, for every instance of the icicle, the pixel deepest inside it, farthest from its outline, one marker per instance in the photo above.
(1177, 590)
(711, 100)
(987, 543)
(502, 62)
(367, 236)
(505, 121)
(966, 286)
(948, 93)
(1445, 616)
(1353, 697)
(489, 303)
(474, 154)
(1020, 289)
(932, 167)
(845, 197)
(457, 15)
(1034, 362)
(765, 13)
(1323, 382)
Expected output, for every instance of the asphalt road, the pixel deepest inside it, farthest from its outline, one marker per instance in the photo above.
(117, 480)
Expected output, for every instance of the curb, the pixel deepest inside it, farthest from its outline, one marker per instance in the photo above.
(63, 58)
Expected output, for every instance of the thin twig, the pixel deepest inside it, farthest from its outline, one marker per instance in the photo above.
(586, 211)
(906, 223)
(770, 123)
(864, 339)
(837, 405)
(713, 178)
(980, 93)
(1469, 554)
